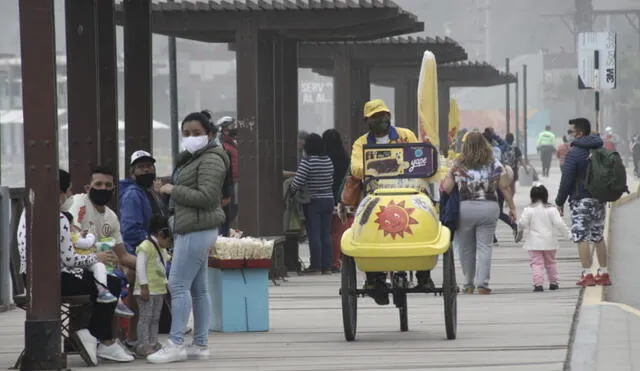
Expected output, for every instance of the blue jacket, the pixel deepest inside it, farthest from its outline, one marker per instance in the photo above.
(574, 170)
(500, 143)
(450, 209)
(135, 213)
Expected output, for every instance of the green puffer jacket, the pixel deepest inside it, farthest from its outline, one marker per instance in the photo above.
(197, 190)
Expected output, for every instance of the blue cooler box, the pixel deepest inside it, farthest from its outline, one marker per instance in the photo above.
(239, 299)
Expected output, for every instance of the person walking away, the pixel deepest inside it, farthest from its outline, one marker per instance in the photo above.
(151, 283)
(497, 155)
(512, 157)
(562, 150)
(477, 175)
(97, 340)
(195, 216)
(546, 145)
(587, 212)
(537, 225)
(316, 172)
(340, 161)
(138, 202)
(377, 117)
(635, 153)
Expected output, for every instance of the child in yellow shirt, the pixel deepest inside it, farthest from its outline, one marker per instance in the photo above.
(151, 282)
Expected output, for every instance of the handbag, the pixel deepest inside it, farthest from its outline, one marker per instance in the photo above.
(351, 191)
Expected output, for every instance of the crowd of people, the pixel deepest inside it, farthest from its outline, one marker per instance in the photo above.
(483, 174)
(159, 243)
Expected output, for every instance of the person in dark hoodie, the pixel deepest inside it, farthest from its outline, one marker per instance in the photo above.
(587, 213)
(138, 202)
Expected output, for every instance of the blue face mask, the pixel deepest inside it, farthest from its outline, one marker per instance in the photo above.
(570, 138)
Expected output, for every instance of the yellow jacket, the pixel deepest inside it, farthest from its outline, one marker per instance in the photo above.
(396, 135)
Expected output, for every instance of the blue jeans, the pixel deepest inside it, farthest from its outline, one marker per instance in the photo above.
(188, 285)
(319, 222)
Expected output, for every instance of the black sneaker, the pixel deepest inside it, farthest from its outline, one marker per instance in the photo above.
(538, 289)
(378, 291)
(427, 284)
(553, 286)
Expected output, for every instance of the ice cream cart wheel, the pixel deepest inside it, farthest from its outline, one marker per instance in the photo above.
(349, 297)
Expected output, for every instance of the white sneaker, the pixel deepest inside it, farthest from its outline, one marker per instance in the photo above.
(169, 353)
(125, 348)
(114, 352)
(198, 352)
(88, 346)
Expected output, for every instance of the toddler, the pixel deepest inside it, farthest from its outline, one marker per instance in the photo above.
(151, 283)
(85, 243)
(537, 224)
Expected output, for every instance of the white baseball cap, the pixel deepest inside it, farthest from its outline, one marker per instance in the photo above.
(140, 155)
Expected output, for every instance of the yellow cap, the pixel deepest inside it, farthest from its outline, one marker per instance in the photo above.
(375, 106)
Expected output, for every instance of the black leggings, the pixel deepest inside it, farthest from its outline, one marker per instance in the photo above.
(101, 313)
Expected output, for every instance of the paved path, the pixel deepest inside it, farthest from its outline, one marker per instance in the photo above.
(513, 329)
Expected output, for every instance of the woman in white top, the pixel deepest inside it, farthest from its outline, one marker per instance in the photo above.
(537, 224)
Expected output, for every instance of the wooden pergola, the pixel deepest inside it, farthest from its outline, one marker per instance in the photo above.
(266, 34)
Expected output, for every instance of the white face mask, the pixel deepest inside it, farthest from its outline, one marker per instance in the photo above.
(194, 144)
(66, 205)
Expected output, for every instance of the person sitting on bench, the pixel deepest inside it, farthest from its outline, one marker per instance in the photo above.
(76, 280)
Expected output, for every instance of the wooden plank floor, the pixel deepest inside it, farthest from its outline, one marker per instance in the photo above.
(513, 329)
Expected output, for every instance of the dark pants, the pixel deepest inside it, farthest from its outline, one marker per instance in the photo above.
(226, 226)
(504, 217)
(101, 313)
(319, 229)
(546, 154)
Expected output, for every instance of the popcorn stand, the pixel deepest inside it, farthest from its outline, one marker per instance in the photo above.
(239, 284)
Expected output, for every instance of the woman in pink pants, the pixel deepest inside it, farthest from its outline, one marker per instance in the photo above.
(537, 225)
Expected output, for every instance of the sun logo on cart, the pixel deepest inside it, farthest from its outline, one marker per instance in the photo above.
(395, 220)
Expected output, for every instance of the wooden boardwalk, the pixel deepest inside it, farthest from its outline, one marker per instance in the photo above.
(513, 329)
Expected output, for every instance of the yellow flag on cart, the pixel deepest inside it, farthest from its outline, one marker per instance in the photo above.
(428, 100)
(454, 122)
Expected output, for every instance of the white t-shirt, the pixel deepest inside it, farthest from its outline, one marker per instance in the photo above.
(383, 140)
(87, 217)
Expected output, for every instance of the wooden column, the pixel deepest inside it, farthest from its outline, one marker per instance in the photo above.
(259, 185)
(42, 336)
(108, 146)
(406, 103)
(138, 85)
(351, 89)
(288, 97)
(82, 88)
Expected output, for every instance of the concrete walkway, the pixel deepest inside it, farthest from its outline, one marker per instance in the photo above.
(513, 329)
(608, 329)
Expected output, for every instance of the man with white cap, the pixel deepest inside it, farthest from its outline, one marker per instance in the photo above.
(138, 203)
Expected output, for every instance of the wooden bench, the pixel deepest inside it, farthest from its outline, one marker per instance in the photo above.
(73, 310)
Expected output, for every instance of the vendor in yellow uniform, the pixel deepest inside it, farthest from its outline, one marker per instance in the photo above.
(378, 118)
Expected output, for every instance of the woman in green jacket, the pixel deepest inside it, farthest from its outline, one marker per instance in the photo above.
(196, 214)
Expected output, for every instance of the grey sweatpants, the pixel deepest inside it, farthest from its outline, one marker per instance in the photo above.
(149, 319)
(473, 240)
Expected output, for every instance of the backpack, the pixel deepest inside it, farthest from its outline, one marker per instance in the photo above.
(509, 158)
(606, 178)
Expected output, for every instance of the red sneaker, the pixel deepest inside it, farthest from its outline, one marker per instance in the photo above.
(603, 279)
(586, 280)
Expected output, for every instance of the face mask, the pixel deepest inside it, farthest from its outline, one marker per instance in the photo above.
(194, 144)
(100, 197)
(379, 126)
(145, 180)
(570, 138)
(66, 205)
